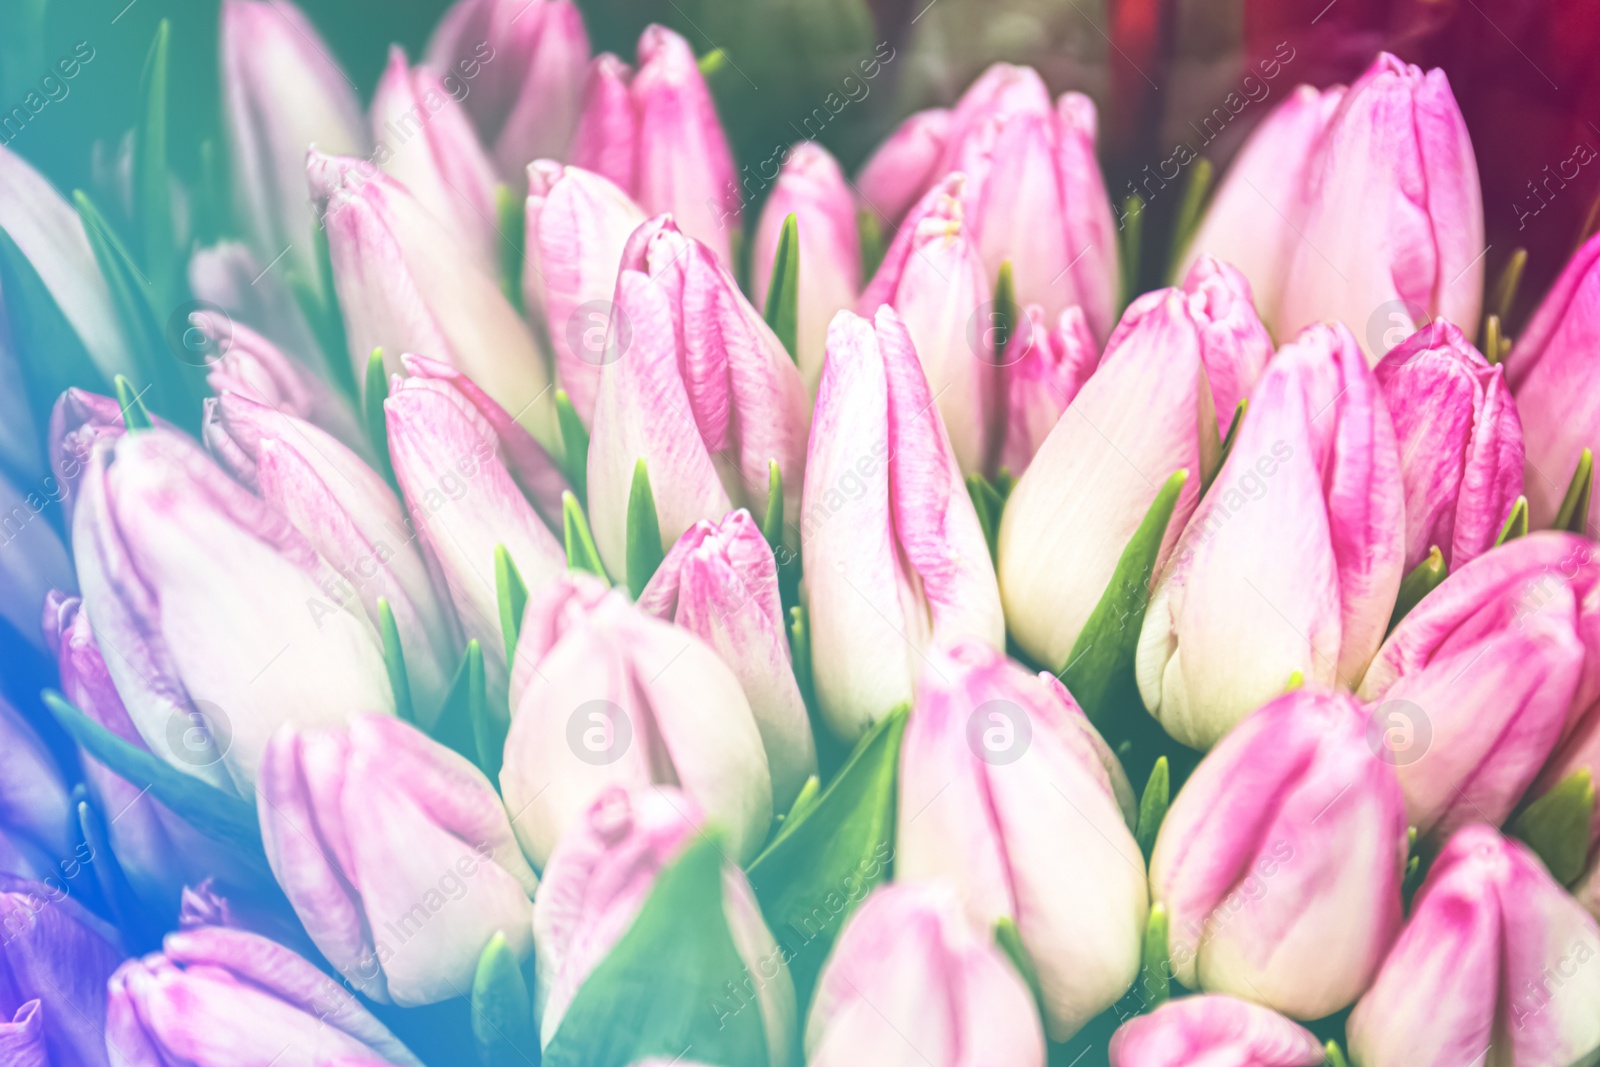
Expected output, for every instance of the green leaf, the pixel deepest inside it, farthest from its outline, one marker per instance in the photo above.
(512, 594)
(772, 517)
(673, 982)
(377, 426)
(574, 446)
(1009, 939)
(1573, 515)
(1156, 968)
(869, 231)
(1506, 286)
(488, 733)
(783, 290)
(394, 662)
(218, 815)
(1557, 826)
(827, 858)
(49, 351)
(712, 62)
(582, 555)
(134, 414)
(1131, 223)
(1189, 211)
(1099, 672)
(1226, 449)
(1005, 311)
(1516, 523)
(1423, 579)
(1335, 1054)
(511, 209)
(800, 651)
(806, 798)
(152, 191)
(644, 553)
(987, 503)
(1153, 806)
(502, 1010)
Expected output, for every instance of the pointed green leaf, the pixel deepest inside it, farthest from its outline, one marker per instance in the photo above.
(574, 446)
(1423, 579)
(1335, 1054)
(372, 414)
(38, 326)
(394, 662)
(1155, 972)
(1153, 806)
(511, 208)
(488, 731)
(1005, 311)
(712, 62)
(1557, 826)
(1495, 344)
(1573, 515)
(1009, 939)
(152, 191)
(1506, 286)
(783, 289)
(806, 798)
(800, 651)
(582, 555)
(1131, 224)
(512, 594)
(824, 860)
(1190, 209)
(1226, 449)
(869, 232)
(1516, 523)
(675, 977)
(987, 503)
(772, 517)
(453, 725)
(644, 532)
(134, 414)
(502, 1009)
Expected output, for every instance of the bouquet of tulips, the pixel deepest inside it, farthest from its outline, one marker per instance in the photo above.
(496, 582)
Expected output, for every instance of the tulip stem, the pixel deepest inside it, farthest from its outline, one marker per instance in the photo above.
(1573, 515)
(394, 661)
(1516, 523)
(644, 553)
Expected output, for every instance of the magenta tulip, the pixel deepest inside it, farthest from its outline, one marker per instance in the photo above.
(1217, 1031)
(1041, 381)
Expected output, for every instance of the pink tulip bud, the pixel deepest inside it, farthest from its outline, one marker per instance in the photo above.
(1250, 223)
(656, 134)
(1548, 371)
(521, 68)
(396, 854)
(80, 420)
(942, 201)
(283, 93)
(1280, 860)
(213, 997)
(904, 166)
(426, 142)
(697, 385)
(894, 556)
(720, 582)
(230, 277)
(1235, 344)
(1214, 1030)
(604, 694)
(207, 594)
(1496, 956)
(578, 226)
(911, 983)
(1009, 794)
(1258, 589)
(1392, 226)
(1052, 367)
(406, 285)
(599, 878)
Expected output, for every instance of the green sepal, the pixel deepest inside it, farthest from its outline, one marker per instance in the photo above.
(1573, 515)
(502, 1009)
(783, 289)
(869, 232)
(1558, 824)
(1155, 969)
(1006, 311)
(1423, 579)
(675, 977)
(511, 593)
(986, 501)
(39, 327)
(772, 516)
(574, 446)
(643, 548)
(1516, 524)
(377, 426)
(825, 859)
(152, 191)
(510, 210)
(1009, 938)
(1153, 806)
(1190, 208)
(582, 555)
(135, 416)
(1335, 1054)
(394, 662)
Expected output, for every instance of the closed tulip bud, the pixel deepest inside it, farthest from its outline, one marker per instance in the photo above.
(720, 582)
(1214, 1030)
(911, 983)
(282, 94)
(1547, 372)
(812, 188)
(894, 556)
(904, 166)
(78, 421)
(599, 878)
(1249, 222)
(1496, 956)
(406, 285)
(1145, 413)
(1009, 794)
(208, 596)
(656, 134)
(56, 957)
(396, 854)
(229, 276)
(1040, 384)
(697, 385)
(604, 694)
(426, 142)
(1257, 590)
(1236, 346)
(1391, 233)
(520, 69)
(214, 997)
(33, 561)
(578, 225)
(1280, 861)
(353, 520)
(37, 819)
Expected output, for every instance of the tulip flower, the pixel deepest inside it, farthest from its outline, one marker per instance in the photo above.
(598, 879)
(353, 520)
(655, 133)
(812, 188)
(1391, 230)
(523, 67)
(206, 596)
(282, 93)
(32, 559)
(1280, 861)
(214, 997)
(56, 958)
(1041, 382)
(1250, 222)
(396, 854)
(1214, 1030)
(604, 694)
(1495, 956)
(720, 582)
(78, 421)
(405, 285)
(911, 982)
(1009, 794)
(904, 166)
(1293, 559)
(37, 819)
(230, 277)
(1236, 345)
(1548, 371)
(894, 556)
(1460, 443)
(426, 142)
(1144, 414)
(578, 225)
(699, 388)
